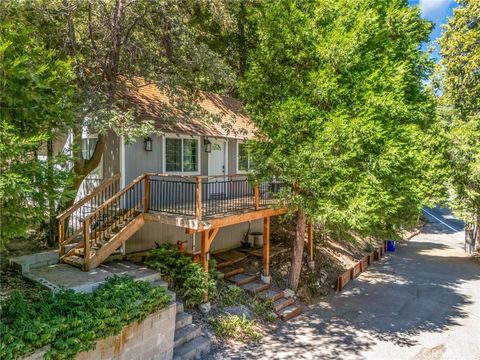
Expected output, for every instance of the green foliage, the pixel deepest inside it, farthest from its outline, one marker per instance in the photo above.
(35, 106)
(234, 295)
(460, 108)
(187, 278)
(337, 88)
(72, 322)
(235, 327)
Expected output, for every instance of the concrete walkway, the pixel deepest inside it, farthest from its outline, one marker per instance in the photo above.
(421, 302)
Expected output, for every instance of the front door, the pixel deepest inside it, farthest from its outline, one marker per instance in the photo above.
(217, 165)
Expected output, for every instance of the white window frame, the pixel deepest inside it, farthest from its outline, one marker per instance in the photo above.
(238, 159)
(99, 168)
(164, 155)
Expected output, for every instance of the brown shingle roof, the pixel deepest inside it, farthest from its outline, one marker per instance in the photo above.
(216, 115)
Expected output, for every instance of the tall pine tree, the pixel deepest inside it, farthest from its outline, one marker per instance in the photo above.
(336, 88)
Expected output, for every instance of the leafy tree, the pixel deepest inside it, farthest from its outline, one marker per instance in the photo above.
(35, 105)
(336, 87)
(460, 109)
(116, 42)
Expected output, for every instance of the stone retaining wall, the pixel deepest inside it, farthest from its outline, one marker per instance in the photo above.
(153, 338)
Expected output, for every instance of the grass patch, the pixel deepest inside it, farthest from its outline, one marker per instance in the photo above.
(236, 327)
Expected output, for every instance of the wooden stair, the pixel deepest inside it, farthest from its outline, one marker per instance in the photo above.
(104, 229)
(101, 250)
(285, 307)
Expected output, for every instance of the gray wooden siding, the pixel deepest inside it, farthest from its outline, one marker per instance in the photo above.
(232, 156)
(203, 158)
(111, 156)
(139, 161)
(227, 238)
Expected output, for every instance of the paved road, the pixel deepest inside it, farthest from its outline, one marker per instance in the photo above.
(421, 302)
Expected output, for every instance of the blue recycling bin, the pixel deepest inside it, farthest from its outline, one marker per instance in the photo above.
(390, 245)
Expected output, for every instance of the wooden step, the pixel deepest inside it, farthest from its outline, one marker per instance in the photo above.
(242, 279)
(255, 287)
(224, 264)
(271, 295)
(230, 271)
(282, 303)
(290, 312)
(74, 260)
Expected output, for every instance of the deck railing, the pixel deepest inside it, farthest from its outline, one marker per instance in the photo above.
(207, 196)
(89, 222)
(70, 222)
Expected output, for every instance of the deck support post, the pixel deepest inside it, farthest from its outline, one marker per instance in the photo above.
(256, 196)
(266, 249)
(311, 262)
(86, 245)
(146, 204)
(203, 257)
(61, 250)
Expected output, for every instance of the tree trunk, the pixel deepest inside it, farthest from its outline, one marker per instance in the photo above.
(476, 245)
(297, 254)
(52, 228)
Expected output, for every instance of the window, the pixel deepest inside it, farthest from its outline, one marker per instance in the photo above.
(181, 155)
(88, 147)
(244, 161)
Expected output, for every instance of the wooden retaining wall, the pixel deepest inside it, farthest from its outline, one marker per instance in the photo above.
(360, 266)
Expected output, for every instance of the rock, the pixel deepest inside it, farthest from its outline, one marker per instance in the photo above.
(205, 308)
(239, 310)
(288, 293)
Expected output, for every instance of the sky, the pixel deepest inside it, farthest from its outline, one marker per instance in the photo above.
(437, 11)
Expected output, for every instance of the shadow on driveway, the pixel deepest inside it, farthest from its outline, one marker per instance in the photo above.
(417, 289)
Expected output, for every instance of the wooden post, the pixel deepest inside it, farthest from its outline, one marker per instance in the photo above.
(203, 256)
(86, 244)
(146, 205)
(198, 199)
(256, 193)
(266, 246)
(310, 241)
(61, 250)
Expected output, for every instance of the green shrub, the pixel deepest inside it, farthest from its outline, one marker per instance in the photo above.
(234, 295)
(186, 277)
(235, 327)
(231, 295)
(71, 322)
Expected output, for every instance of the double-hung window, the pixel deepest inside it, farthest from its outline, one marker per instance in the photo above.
(182, 155)
(244, 163)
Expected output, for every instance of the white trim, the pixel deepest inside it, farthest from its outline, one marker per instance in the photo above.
(122, 162)
(164, 154)
(238, 157)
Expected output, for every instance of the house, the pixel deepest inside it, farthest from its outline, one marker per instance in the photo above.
(188, 184)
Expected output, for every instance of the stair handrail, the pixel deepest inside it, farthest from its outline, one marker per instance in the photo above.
(115, 196)
(87, 198)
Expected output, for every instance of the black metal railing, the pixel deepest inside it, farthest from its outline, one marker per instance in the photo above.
(207, 196)
(173, 195)
(221, 195)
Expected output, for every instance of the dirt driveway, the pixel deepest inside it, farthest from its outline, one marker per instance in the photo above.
(421, 302)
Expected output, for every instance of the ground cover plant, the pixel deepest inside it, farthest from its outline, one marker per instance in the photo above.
(73, 322)
(186, 277)
(236, 327)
